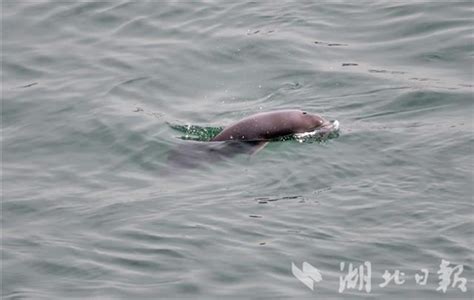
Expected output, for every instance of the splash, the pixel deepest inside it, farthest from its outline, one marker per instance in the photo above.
(196, 133)
(328, 131)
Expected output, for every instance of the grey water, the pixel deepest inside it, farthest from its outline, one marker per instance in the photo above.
(89, 90)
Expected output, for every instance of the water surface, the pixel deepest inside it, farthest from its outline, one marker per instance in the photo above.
(89, 90)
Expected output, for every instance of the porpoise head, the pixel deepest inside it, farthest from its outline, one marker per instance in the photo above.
(315, 125)
(307, 122)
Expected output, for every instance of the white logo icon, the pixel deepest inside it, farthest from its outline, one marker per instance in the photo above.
(309, 275)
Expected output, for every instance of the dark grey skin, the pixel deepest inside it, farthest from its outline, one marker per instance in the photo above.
(246, 136)
(269, 125)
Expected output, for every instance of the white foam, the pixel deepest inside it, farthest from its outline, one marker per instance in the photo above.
(333, 128)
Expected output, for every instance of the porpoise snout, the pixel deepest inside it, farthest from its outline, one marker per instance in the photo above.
(331, 125)
(325, 130)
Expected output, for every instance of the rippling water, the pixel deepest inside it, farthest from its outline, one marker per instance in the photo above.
(89, 91)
